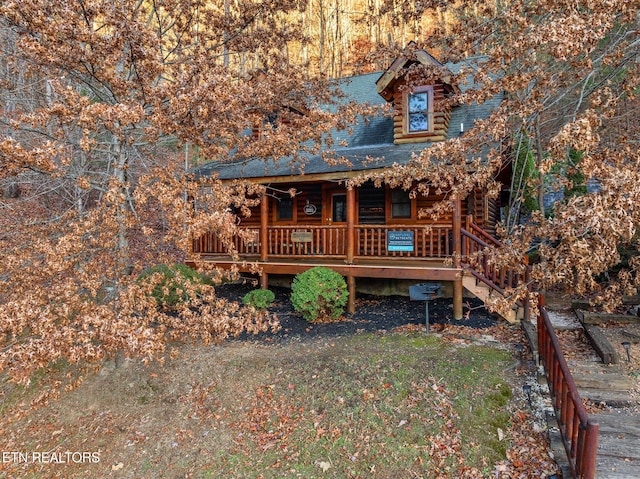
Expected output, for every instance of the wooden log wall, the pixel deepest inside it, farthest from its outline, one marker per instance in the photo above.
(311, 193)
(485, 211)
(253, 220)
(492, 216)
(369, 213)
(424, 203)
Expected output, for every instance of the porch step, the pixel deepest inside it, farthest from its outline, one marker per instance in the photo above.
(483, 292)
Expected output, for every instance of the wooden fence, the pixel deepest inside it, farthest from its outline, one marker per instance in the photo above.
(579, 432)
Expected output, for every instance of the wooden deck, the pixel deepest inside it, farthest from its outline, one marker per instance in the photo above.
(397, 251)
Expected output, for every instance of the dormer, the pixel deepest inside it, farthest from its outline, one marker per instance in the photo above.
(418, 86)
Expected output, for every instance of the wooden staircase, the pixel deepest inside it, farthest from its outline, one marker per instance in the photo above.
(484, 292)
(480, 277)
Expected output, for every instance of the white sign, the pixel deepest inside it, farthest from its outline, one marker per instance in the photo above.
(310, 209)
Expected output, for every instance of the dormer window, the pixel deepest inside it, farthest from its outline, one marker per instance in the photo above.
(419, 110)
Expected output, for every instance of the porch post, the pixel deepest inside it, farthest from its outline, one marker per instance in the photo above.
(264, 237)
(351, 287)
(351, 221)
(466, 242)
(351, 243)
(457, 252)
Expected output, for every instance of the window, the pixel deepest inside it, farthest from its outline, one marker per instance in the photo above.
(371, 204)
(285, 209)
(339, 208)
(419, 110)
(400, 204)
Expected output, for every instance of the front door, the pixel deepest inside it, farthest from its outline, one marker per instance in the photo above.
(335, 205)
(338, 208)
(335, 213)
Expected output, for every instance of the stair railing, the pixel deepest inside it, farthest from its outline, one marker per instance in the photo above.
(476, 261)
(579, 433)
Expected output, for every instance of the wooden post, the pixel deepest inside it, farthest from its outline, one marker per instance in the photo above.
(264, 225)
(351, 286)
(457, 253)
(264, 237)
(351, 222)
(191, 244)
(590, 451)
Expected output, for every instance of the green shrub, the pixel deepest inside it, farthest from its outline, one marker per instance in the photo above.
(319, 294)
(259, 298)
(170, 290)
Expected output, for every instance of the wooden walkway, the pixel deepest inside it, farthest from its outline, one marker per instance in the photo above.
(618, 446)
(619, 436)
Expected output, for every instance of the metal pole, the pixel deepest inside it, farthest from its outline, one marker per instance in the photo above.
(426, 315)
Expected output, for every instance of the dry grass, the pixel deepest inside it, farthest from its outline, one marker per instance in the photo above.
(369, 405)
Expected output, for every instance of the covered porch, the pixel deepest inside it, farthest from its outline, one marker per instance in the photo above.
(402, 250)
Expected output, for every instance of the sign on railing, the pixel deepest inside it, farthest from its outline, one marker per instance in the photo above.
(302, 236)
(400, 241)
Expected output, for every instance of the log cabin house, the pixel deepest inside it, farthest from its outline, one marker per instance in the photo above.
(368, 231)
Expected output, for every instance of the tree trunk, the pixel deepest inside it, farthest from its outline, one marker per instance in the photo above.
(540, 154)
(120, 175)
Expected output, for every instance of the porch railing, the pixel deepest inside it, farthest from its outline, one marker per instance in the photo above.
(579, 432)
(434, 241)
(329, 241)
(211, 243)
(371, 241)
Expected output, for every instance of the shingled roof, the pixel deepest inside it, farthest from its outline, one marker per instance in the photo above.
(371, 139)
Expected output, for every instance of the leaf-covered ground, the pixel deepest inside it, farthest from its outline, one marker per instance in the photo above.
(336, 401)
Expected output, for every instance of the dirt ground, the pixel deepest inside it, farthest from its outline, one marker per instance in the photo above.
(170, 422)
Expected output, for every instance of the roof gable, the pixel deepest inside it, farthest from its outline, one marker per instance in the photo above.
(387, 82)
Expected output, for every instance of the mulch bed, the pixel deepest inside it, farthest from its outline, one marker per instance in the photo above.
(373, 313)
